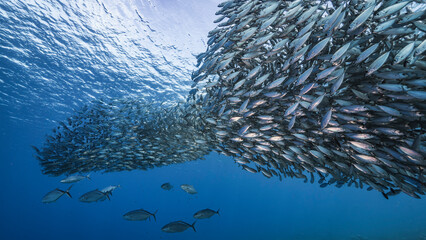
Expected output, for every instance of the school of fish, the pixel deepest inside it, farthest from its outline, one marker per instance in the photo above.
(133, 215)
(326, 90)
(118, 135)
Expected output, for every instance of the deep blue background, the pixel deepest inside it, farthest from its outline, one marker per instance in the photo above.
(251, 206)
(41, 80)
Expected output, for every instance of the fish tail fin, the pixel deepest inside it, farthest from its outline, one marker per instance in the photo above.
(193, 226)
(416, 142)
(385, 195)
(218, 211)
(153, 215)
(69, 195)
(36, 149)
(67, 192)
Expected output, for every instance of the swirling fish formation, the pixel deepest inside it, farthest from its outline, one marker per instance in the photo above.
(118, 135)
(332, 89)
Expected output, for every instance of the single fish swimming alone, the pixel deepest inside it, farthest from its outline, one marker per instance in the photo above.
(205, 213)
(94, 196)
(139, 215)
(75, 178)
(188, 188)
(110, 189)
(54, 195)
(166, 186)
(177, 226)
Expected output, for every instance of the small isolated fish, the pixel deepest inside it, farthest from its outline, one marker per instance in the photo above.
(177, 226)
(110, 189)
(188, 188)
(54, 195)
(139, 215)
(166, 186)
(75, 178)
(94, 196)
(205, 213)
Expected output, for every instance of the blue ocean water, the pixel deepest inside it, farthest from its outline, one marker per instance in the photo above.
(56, 56)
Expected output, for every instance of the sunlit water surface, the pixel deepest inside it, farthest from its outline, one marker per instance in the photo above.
(56, 56)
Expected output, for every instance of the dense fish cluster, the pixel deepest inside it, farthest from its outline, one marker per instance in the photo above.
(118, 135)
(333, 90)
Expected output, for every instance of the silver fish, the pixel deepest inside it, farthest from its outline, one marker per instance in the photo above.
(188, 188)
(177, 226)
(139, 215)
(378, 63)
(367, 53)
(284, 94)
(166, 186)
(55, 194)
(403, 53)
(94, 196)
(361, 18)
(205, 213)
(74, 178)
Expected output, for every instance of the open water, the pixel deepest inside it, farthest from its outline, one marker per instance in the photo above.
(57, 55)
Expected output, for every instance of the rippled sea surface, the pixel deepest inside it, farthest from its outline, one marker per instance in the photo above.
(57, 55)
(62, 54)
